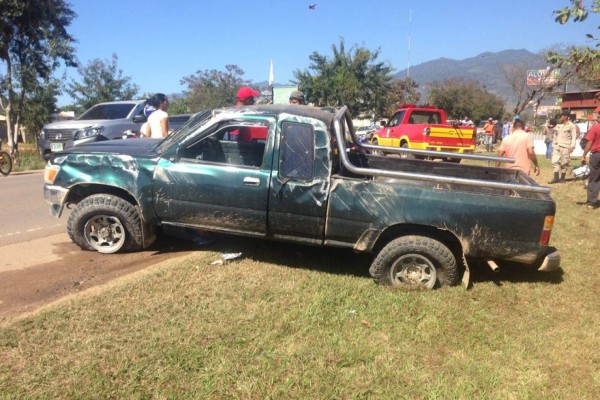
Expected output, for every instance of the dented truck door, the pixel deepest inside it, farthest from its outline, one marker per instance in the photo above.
(300, 180)
(218, 182)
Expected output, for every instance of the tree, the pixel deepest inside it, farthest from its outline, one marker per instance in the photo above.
(353, 78)
(460, 97)
(40, 105)
(531, 96)
(585, 61)
(213, 88)
(33, 42)
(102, 81)
(402, 91)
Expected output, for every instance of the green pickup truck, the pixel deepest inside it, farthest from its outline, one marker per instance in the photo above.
(299, 174)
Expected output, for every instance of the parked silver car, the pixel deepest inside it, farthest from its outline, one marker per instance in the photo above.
(104, 121)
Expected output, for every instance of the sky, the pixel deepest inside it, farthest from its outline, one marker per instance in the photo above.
(160, 42)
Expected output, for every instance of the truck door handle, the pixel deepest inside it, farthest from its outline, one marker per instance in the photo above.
(250, 181)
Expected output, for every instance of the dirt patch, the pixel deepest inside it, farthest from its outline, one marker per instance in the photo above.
(26, 284)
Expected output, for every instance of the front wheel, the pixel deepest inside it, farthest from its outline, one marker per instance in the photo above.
(417, 262)
(5, 163)
(406, 155)
(377, 152)
(107, 224)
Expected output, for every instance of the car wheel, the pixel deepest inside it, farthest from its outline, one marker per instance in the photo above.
(417, 262)
(107, 224)
(377, 152)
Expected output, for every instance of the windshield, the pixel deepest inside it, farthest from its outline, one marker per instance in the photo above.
(108, 111)
(191, 125)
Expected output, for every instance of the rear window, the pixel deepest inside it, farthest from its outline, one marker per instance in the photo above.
(107, 111)
(425, 117)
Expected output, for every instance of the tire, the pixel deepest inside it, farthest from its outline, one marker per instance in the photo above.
(106, 224)
(416, 262)
(5, 163)
(377, 152)
(406, 155)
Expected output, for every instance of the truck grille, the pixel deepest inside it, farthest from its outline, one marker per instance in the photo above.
(60, 135)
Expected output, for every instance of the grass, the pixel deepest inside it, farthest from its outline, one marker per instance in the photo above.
(29, 158)
(291, 322)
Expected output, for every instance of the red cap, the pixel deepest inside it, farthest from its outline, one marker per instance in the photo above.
(246, 92)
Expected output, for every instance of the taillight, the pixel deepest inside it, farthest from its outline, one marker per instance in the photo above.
(548, 222)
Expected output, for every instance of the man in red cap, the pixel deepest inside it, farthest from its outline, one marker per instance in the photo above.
(245, 96)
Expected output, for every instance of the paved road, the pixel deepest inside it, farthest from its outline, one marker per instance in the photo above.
(38, 261)
(23, 212)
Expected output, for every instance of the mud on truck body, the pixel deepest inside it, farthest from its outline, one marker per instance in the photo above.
(284, 173)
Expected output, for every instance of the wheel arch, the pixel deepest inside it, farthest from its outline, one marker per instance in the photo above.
(442, 235)
(83, 190)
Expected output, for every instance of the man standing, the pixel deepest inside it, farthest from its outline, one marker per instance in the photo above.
(564, 144)
(593, 147)
(489, 134)
(519, 145)
(245, 96)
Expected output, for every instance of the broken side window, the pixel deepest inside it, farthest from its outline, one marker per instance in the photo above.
(297, 153)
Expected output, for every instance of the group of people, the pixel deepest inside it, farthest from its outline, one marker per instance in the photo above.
(561, 139)
(246, 97)
(156, 107)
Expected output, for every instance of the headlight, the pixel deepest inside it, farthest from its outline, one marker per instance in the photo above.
(88, 132)
(43, 134)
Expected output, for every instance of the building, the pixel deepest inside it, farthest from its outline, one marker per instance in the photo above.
(581, 104)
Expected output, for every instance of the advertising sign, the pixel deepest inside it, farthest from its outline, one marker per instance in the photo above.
(542, 77)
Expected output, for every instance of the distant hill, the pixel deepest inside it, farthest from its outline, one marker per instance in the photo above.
(485, 68)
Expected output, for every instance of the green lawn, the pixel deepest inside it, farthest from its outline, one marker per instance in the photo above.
(292, 322)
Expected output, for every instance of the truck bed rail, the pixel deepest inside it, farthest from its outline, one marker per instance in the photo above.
(342, 116)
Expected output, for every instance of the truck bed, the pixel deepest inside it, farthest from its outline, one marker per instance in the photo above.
(444, 169)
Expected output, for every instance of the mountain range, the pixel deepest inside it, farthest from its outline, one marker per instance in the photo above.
(485, 68)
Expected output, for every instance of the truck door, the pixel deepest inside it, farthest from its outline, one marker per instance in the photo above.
(391, 131)
(300, 181)
(219, 181)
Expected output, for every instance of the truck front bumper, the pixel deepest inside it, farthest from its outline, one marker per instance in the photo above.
(552, 260)
(55, 196)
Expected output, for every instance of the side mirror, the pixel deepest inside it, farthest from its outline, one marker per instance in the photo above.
(140, 119)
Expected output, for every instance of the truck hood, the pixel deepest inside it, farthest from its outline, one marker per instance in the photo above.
(132, 147)
(76, 124)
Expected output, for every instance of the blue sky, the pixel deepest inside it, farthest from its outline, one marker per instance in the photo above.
(160, 42)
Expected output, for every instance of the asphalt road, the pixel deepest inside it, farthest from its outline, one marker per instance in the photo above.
(38, 262)
(24, 214)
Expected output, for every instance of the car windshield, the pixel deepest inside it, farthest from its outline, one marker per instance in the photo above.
(107, 111)
(191, 125)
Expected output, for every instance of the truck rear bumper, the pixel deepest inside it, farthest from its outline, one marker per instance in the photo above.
(552, 260)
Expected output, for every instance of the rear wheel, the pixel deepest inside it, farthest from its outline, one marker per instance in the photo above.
(107, 224)
(415, 261)
(5, 163)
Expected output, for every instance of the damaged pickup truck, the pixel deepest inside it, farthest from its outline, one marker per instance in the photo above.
(285, 173)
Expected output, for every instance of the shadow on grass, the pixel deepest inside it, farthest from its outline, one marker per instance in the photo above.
(327, 259)
(513, 273)
(324, 259)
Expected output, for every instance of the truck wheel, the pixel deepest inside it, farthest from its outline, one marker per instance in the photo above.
(406, 155)
(415, 261)
(377, 152)
(105, 223)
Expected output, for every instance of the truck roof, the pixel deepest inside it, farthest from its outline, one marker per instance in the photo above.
(300, 110)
